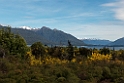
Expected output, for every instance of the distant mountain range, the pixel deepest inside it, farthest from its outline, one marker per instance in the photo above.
(45, 35)
(57, 37)
(96, 41)
(119, 41)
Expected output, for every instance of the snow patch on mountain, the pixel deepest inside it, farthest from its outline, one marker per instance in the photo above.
(3, 25)
(29, 28)
(89, 39)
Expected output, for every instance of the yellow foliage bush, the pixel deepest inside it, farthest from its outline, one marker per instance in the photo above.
(97, 56)
(32, 59)
(45, 60)
(73, 60)
(51, 60)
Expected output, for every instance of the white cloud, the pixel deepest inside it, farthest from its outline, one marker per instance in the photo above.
(118, 8)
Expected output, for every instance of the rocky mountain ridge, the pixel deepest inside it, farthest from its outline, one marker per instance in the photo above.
(45, 35)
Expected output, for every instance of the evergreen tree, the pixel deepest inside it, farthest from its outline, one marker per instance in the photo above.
(37, 49)
(70, 51)
(19, 45)
(13, 44)
(105, 51)
(85, 51)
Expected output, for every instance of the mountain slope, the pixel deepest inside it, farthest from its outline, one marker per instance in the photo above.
(119, 41)
(30, 36)
(45, 35)
(59, 37)
(96, 41)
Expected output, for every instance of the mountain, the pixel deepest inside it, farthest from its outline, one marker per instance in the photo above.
(45, 35)
(58, 36)
(29, 28)
(30, 36)
(119, 41)
(96, 41)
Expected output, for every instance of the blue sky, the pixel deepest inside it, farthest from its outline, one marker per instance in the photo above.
(103, 19)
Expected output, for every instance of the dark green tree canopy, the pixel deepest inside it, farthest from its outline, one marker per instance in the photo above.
(104, 51)
(13, 43)
(70, 51)
(37, 49)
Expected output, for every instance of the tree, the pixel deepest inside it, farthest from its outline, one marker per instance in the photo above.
(19, 45)
(70, 51)
(37, 49)
(2, 53)
(14, 44)
(105, 51)
(85, 52)
(57, 52)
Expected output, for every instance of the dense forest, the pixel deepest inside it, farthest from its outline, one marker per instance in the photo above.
(40, 63)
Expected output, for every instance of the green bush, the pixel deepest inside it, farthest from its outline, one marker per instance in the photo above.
(106, 73)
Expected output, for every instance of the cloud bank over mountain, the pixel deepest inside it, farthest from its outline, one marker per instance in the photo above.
(117, 7)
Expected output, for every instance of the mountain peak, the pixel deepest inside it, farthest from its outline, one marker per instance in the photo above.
(119, 41)
(26, 27)
(57, 36)
(47, 28)
(29, 28)
(44, 27)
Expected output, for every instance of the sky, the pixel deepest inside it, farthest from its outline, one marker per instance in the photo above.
(101, 19)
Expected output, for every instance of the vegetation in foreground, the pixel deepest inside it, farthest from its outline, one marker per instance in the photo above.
(43, 64)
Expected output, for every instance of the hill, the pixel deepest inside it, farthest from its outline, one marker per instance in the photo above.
(30, 36)
(96, 41)
(45, 35)
(58, 36)
(119, 41)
